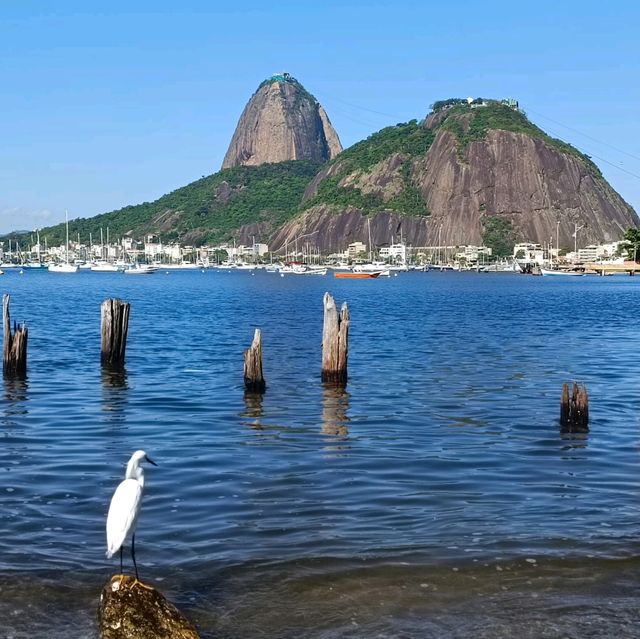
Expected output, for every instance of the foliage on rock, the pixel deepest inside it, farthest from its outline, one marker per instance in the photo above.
(209, 209)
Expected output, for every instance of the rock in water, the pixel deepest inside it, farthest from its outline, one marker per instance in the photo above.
(132, 610)
(281, 122)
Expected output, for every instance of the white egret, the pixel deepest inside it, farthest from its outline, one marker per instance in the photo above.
(125, 506)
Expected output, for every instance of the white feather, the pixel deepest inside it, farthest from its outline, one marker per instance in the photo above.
(123, 514)
(125, 504)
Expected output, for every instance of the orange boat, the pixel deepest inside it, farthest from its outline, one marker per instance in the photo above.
(357, 276)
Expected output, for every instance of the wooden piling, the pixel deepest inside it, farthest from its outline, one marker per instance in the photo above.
(335, 342)
(14, 344)
(114, 329)
(574, 409)
(253, 378)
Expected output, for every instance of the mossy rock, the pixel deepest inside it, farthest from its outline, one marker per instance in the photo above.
(130, 609)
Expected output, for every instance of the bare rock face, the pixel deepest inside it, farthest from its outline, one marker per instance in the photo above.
(281, 122)
(132, 610)
(519, 177)
(333, 232)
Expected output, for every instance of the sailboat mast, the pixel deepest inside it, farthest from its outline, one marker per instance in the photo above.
(66, 219)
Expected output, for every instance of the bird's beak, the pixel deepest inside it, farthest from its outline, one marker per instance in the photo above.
(150, 461)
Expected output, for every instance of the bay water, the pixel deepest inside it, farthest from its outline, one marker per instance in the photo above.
(435, 496)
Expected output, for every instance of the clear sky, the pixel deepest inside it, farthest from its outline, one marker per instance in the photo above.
(104, 107)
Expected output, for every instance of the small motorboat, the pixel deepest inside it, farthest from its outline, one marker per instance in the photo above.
(361, 275)
(140, 269)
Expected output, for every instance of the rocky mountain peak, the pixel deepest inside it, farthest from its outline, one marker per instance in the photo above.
(282, 121)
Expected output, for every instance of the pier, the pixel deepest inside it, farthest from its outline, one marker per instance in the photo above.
(611, 269)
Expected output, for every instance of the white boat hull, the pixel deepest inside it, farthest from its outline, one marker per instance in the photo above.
(141, 270)
(549, 273)
(63, 268)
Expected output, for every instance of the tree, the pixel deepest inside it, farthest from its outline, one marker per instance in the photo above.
(632, 244)
(498, 235)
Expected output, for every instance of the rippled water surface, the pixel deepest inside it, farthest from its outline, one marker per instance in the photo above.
(435, 496)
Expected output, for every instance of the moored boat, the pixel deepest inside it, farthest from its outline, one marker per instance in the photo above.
(140, 269)
(63, 267)
(102, 266)
(66, 266)
(357, 275)
(553, 272)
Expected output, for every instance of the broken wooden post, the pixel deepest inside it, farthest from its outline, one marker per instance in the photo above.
(128, 608)
(14, 344)
(114, 328)
(574, 409)
(253, 379)
(335, 342)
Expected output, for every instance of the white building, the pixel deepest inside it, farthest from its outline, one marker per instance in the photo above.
(588, 253)
(599, 252)
(472, 254)
(396, 253)
(260, 249)
(354, 249)
(530, 253)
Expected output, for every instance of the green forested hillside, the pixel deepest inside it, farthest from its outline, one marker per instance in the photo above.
(207, 210)
(409, 139)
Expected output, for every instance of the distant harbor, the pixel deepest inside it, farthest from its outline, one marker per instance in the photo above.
(303, 258)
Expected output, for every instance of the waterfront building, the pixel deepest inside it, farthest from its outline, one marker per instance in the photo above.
(530, 253)
(354, 249)
(394, 253)
(259, 249)
(472, 254)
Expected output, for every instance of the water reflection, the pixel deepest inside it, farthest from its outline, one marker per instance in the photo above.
(335, 404)
(253, 409)
(572, 441)
(115, 393)
(15, 396)
(114, 377)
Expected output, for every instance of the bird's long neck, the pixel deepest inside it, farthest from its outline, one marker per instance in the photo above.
(134, 471)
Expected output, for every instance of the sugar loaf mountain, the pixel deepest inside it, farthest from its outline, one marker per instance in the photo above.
(468, 169)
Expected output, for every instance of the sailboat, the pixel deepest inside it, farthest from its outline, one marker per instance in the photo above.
(64, 267)
(379, 268)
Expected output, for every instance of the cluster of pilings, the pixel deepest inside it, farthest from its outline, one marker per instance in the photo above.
(574, 407)
(335, 350)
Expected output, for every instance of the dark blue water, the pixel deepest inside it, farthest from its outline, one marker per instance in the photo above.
(435, 496)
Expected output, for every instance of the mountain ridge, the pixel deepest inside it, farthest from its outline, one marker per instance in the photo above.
(448, 179)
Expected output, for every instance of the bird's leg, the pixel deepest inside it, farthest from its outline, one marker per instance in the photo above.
(137, 581)
(121, 572)
(133, 554)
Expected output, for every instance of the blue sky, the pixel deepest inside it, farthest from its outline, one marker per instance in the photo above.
(101, 108)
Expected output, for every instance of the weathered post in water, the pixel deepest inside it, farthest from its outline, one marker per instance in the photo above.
(335, 342)
(114, 328)
(130, 609)
(574, 409)
(14, 344)
(253, 379)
